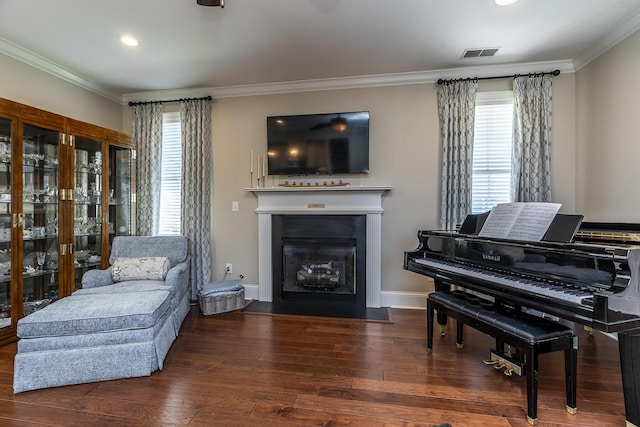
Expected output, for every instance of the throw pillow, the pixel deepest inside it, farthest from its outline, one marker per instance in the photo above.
(144, 268)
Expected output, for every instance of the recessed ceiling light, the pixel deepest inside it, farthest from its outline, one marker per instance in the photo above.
(129, 40)
(505, 2)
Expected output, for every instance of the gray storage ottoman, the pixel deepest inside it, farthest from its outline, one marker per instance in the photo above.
(221, 297)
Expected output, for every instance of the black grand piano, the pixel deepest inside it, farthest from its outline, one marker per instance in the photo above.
(590, 278)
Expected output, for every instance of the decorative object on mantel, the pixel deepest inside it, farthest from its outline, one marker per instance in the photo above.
(261, 170)
(301, 184)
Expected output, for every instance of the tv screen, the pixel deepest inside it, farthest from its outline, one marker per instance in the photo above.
(318, 144)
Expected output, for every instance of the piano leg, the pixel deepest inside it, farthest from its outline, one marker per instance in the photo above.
(571, 382)
(429, 325)
(442, 318)
(629, 345)
(531, 368)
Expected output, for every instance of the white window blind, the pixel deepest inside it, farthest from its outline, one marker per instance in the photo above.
(493, 134)
(170, 196)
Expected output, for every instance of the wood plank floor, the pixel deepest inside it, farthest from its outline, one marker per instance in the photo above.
(238, 369)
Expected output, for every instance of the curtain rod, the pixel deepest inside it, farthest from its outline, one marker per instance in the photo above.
(549, 73)
(131, 103)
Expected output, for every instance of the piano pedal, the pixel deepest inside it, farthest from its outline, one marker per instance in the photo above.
(500, 361)
(589, 330)
(443, 329)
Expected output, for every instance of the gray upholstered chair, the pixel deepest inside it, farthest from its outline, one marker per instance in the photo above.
(176, 248)
(110, 328)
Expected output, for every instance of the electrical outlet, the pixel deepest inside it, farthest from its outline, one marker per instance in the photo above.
(228, 268)
(235, 206)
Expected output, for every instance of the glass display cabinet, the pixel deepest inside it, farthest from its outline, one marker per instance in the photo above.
(7, 296)
(121, 200)
(66, 190)
(87, 207)
(40, 213)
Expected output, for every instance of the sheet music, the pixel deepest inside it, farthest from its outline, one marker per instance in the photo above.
(527, 221)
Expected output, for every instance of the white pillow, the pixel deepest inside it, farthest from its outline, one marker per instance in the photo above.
(144, 268)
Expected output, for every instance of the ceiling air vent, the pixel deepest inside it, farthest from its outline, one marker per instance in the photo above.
(477, 53)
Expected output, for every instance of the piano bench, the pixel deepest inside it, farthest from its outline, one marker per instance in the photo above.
(528, 334)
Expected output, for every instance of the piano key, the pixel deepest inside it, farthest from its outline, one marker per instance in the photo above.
(539, 288)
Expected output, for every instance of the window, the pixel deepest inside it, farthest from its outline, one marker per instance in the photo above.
(171, 176)
(492, 144)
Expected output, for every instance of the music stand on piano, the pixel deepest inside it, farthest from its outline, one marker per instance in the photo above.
(563, 228)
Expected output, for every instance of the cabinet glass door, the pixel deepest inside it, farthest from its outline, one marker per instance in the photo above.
(87, 219)
(6, 296)
(120, 208)
(40, 217)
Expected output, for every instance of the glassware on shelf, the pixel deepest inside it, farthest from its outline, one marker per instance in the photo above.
(95, 166)
(52, 227)
(38, 232)
(40, 258)
(51, 162)
(32, 159)
(5, 150)
(81, 196)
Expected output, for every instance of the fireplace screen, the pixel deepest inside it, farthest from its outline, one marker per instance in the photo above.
(311, 265)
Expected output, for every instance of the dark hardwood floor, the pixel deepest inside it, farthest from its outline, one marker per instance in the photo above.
(238, 369)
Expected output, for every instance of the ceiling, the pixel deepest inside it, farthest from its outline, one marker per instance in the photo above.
(257, 42)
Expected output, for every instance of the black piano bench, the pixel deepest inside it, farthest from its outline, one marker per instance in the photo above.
(529, 335)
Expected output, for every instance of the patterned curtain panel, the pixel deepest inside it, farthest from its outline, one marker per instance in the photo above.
(196, 188)
(532, 139)
(147, 137)
(456, 111)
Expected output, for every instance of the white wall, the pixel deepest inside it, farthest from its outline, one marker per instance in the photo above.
(608, 134)
(28, 85)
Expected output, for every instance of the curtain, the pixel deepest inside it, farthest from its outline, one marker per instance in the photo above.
(147, 137)
(456, 112)
(196, 188)
(531, 177)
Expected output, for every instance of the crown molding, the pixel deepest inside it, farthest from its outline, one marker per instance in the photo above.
(621, 32)
(21, 54)
(352, 82)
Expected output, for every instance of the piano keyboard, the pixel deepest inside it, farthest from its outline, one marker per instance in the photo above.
(577, 296)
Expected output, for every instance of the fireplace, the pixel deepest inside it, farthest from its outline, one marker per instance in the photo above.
(348, 201)
(319, 258)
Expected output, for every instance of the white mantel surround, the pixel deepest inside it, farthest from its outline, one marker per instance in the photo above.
(345, 200)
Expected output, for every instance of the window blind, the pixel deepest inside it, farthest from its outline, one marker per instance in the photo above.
(171, 176)
(492, 145)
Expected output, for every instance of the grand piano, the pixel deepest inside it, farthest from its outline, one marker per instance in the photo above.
(589, 275)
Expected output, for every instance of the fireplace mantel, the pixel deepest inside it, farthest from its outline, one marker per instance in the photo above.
(346, 200)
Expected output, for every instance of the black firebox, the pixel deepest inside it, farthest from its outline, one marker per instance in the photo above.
(319, 259)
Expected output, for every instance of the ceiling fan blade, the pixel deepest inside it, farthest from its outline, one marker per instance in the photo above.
(215, 3)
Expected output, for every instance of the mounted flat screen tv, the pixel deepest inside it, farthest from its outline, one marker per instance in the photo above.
(318, 144)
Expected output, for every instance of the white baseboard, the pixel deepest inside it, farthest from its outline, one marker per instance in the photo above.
(412, 300)
(399, 299)
(250, 291)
